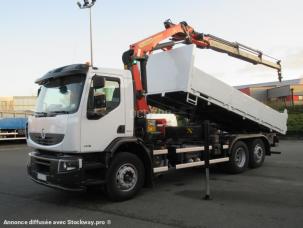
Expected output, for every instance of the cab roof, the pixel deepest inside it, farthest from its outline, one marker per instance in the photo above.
(73, 69)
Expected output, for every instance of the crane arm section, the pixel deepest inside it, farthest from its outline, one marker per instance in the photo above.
(242, 52)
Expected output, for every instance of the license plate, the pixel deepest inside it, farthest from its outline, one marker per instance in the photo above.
(41, 176)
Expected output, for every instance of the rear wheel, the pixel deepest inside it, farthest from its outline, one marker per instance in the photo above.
(256, 153)
(125, 177)
(238, 159)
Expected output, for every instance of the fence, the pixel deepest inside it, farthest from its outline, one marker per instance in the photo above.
(15, 114)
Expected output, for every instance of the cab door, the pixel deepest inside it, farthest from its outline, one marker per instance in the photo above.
(101, 126)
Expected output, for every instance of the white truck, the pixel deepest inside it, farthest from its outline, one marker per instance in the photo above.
(93, 126)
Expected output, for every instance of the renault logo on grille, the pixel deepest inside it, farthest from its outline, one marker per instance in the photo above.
(43, 133)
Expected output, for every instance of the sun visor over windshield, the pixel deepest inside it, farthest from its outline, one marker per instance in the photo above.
(64, 71)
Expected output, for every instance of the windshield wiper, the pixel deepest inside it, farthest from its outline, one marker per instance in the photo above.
(50, 114)
(40, 114)
(54, 113)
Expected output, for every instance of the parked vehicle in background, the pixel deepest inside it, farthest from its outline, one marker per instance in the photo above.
(13, 125)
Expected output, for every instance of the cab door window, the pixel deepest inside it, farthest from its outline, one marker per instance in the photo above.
(110, 92)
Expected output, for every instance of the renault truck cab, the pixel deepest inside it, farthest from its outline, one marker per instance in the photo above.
(80, 111)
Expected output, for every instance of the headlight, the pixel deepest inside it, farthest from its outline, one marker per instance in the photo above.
(69, 165)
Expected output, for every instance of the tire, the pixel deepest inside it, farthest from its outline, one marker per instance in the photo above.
(256, 153)
(125, 177)
(239, 158)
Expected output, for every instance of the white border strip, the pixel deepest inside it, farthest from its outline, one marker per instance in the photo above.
(159, 152)
(191, 149)
(160, 169)
(213, 161)
(190, 164)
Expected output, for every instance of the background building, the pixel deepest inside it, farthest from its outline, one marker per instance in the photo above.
(285, 93)
(17, 105)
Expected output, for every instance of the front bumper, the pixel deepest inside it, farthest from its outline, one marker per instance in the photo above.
(44, 169)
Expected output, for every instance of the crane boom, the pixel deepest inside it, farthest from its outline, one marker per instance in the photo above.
(242, 52)
(185, 34)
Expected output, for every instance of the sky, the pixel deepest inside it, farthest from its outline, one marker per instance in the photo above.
(37, 36)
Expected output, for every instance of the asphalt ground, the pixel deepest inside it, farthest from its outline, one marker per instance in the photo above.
(270, 196)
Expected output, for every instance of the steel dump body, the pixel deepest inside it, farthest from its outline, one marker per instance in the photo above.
(174, 83)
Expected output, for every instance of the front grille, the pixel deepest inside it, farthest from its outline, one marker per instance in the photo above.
(48, 140)
(41, 165)
(42, 168)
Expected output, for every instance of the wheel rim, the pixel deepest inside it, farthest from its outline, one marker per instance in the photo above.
(126, 177)
(258, 153)
(240, 157)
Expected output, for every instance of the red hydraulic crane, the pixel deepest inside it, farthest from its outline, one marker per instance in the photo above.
(183, 33)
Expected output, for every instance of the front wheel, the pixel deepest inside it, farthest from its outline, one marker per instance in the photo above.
(238, 158)
(125, 177)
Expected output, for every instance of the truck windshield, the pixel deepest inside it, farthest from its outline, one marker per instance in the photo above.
(60, 96)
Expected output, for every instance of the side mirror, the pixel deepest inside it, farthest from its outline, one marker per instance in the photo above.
(38, 92)
(99, 101)
(98, 82)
